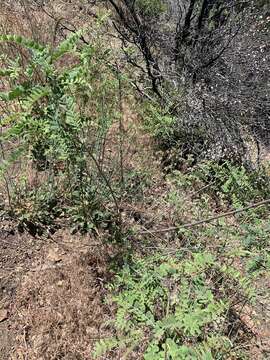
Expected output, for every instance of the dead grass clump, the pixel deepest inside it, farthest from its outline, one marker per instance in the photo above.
(59, 306)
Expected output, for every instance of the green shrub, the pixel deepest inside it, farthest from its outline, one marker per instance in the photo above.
(174, 308)
(225, 182)
(233, 183)
(255, 239)
(179, 143)
(37, 208)
(59, 109)
(158, 123)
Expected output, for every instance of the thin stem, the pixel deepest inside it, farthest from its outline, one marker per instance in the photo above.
(5, 179)
(204, 221)
(121, 128)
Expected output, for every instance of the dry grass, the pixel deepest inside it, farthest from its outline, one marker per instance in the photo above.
(59, 310)
(45, 24)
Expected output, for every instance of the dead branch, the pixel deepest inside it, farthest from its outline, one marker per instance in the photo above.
(204, 221)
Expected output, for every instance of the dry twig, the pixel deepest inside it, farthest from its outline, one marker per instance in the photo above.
(204, 221)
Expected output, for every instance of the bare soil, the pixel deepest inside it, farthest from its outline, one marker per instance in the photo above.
(16, 255)
(51, 295)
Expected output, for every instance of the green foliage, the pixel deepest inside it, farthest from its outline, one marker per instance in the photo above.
(255, 240)
(20, 40)
(59, 109)
(232, 182)
(37, 208)
(151, 7)
(226, 182)
(136, 181)
(179, 143)
(206, 188)
(158, 123)
(175, 308)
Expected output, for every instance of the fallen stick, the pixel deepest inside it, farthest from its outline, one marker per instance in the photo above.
(199, 222)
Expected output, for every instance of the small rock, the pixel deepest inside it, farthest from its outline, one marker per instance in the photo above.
(3, 315)
(54, 255)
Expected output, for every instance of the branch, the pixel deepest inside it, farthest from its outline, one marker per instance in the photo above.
(183, 32)
(204, 221)
(133, 23)
(214, 59)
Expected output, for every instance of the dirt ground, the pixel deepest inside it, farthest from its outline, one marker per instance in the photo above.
(16, 256)
(51, 295)
(52, 298)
